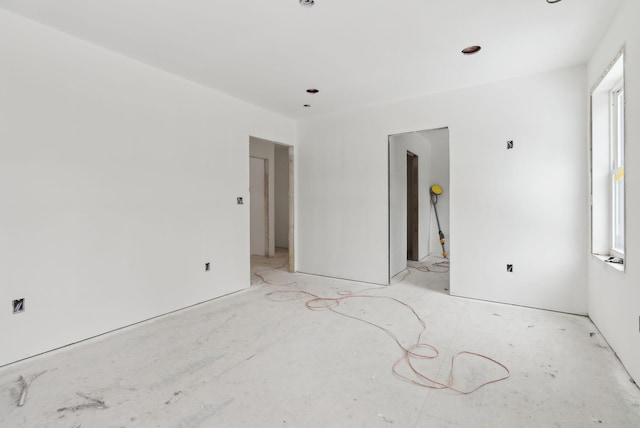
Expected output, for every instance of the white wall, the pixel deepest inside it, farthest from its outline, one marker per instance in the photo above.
(614, 297)
(281, 196)
(523, 206)
(117, 183)
(263, 149)
(258, 200)
(423, 147)
(439, 143)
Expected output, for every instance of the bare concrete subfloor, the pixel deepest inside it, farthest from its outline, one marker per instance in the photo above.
(260, 358)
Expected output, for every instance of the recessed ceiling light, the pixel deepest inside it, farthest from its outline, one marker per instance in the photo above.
(471, 50)
(307, 3)
(307, 105)
(312, 91)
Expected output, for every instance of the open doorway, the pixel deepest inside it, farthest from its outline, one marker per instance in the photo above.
(417, 161)
(271, 206)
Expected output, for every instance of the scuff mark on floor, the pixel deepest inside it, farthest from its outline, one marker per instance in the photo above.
(189, 369)
(228, 320)
(175, 394)
(24, 385)
(206, 412)
(93, 403)
(389, 421)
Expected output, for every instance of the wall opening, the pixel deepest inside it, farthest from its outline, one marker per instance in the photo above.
(430, 150)
(272, 203)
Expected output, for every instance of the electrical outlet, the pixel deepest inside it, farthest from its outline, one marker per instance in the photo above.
(509, 144)
(18, 306)
(510, 268)
(207, 267)
(240, 200)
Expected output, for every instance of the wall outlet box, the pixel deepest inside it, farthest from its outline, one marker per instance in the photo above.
(18, 306)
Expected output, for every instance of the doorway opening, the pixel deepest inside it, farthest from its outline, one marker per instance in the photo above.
(417, 161)
(271, 206)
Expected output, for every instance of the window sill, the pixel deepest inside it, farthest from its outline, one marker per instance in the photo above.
(616, 266)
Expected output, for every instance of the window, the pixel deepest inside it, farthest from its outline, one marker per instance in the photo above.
(617, 170)
(607, 166)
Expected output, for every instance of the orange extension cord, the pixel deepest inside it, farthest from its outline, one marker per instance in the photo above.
(419, 350)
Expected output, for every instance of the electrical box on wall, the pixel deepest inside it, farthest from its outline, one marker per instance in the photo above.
(18, 306)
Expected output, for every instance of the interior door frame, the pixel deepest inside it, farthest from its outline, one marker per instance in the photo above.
(291, 202)
(392, 247)
(267, 202)
(292, 241)
(413, 207)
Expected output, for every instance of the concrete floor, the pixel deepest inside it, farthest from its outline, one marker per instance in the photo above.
(247, 360)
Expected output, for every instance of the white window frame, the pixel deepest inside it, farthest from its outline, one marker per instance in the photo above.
(607, 165)
(616, 174)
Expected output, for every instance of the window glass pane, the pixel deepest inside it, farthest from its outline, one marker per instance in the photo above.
(619, 143)
(621, 129)
(618, 215)
(617, 170)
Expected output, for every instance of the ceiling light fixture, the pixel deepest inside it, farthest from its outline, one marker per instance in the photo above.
(307, 3)
(471, 50)
(312, 91)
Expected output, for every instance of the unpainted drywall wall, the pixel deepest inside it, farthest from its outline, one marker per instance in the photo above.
(523, 206)
(264, 149)
(439, 142)
(614, 297)
(118, 183)
(258, 203)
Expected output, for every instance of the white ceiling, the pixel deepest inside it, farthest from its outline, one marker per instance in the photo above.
(357, 52)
